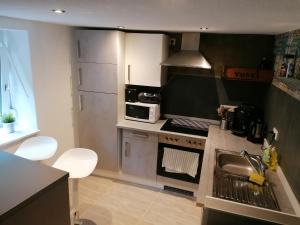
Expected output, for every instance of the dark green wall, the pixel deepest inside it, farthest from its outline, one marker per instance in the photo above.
(199, 86)
(283, 112)
(236, 50)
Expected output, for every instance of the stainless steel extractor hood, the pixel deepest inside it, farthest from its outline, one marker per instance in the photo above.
(189, 55)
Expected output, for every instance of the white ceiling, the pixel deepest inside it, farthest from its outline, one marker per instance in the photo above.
(229, 16)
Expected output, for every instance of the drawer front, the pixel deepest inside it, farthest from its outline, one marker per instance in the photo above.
(134, 134)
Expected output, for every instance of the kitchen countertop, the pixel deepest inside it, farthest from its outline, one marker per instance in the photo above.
(22, 181)
(151, 127)
(222, 139)
(141, 126)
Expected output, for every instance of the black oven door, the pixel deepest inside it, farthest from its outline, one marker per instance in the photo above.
(178, 176)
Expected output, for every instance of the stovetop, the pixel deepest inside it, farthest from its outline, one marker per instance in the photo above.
(187, 126)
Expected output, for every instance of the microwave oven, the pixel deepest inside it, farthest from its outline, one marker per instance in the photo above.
(144, 112)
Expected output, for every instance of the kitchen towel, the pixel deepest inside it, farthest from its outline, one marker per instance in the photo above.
(178, 161)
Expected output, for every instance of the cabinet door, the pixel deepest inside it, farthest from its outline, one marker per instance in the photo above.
(97, 127)
(139, 155)
(97, 46)
(97, 77)
(143, 56)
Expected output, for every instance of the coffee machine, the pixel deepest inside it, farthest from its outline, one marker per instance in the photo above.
(248, 121)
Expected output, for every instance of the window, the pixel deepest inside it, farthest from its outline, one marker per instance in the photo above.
(16, 89)
(0, 90)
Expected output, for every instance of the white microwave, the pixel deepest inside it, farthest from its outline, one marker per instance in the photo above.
(144, 112)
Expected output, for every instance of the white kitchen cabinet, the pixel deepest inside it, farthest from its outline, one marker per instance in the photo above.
(143, 56)
(97, 120)
(97, 77)
(139, 154)
(97, 46)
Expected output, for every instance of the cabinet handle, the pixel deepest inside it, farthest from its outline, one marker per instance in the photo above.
(127, 149)
(80, 76)
(140, 135)
(78, 49)
(80, 103)
(128, 73)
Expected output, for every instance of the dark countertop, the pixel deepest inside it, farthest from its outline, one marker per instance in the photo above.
(151, 127)
(22, 180)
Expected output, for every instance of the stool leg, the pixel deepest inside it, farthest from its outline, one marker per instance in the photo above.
(75, 202)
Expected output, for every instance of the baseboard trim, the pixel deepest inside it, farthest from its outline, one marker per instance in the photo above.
(118, 175)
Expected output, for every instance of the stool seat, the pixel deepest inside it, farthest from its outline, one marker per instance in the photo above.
(79, 162)
(37, 148)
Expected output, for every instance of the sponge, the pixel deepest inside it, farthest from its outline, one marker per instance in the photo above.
(256, 178)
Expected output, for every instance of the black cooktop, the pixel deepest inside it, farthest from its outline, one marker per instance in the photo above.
(187, 126)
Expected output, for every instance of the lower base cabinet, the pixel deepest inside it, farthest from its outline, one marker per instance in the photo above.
(139, 154)
(49, 207)
(216, 217)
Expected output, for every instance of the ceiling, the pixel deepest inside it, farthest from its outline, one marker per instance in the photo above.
(221, 16)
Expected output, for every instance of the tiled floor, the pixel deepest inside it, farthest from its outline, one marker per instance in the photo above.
(107, 202)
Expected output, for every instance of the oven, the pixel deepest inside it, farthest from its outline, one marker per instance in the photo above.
(188, 148)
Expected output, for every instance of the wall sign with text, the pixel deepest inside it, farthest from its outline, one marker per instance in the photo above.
(249, 74)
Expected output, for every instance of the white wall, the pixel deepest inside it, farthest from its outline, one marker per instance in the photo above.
(50, 47)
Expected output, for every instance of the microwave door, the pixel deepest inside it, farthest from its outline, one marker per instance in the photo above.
(135, 111)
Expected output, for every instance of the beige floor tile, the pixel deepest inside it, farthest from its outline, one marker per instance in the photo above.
(130, 199)
(179, 204)
(108, 202)
(106, 216)
(172, 215)
(142, 222)
(90, 190)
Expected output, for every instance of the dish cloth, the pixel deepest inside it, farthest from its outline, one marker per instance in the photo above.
(178, 161)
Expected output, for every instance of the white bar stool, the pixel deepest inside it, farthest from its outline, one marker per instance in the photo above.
(37, 148)
(79, 162)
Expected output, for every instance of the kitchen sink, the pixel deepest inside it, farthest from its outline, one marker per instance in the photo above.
(232, 162)
(231, 182)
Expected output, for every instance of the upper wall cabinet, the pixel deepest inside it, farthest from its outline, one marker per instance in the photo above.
(143, 56)
(94, 46)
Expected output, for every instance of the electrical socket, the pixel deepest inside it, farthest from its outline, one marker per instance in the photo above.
(276, 133)
(172, 42)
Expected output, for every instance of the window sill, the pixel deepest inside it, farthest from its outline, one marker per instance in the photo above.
(7, 139)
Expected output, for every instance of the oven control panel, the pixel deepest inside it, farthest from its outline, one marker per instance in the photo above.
(188, 142)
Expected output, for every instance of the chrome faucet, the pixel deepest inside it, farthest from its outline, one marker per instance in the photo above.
(255, 161)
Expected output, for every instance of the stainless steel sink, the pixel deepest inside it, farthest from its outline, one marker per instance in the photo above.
(232, 162)
(231, 182)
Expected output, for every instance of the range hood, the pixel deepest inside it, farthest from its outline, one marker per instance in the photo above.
(189, 55)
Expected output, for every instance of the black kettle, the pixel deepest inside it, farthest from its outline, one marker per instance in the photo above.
(256, 131)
